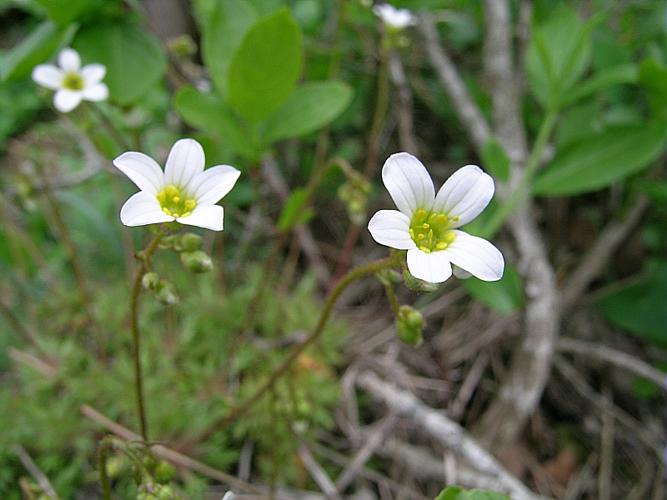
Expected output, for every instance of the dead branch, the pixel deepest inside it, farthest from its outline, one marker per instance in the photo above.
(318, 474)
(404, 108)
(35, 471)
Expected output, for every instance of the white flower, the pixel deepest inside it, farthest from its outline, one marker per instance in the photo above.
(425, 224)
(71, 82)
(184, 193)
(393, 17)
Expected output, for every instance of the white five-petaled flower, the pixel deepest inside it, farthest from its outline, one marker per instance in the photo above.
(426, 223)
(71, 82)
(184, 192)
(394, 18)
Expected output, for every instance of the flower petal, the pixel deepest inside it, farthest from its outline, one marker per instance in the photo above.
(408, 183)
(47, 76)
(142, 208)
(391, 228)
(185, 161)
(93, 73)
(212, 184)
(69, 60)
(66, 100)
(142, 170)
(96, 92)
(433, 267)
(209, 217)
(475, 255)
(465, 194)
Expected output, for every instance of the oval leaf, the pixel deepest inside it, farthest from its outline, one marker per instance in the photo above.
(495, 159)
(266, 66)
(310, 107)
(504, 296)
(602, 160)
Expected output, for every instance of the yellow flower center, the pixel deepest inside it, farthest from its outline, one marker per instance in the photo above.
(73, 81)
(175, 202)
(431, 231)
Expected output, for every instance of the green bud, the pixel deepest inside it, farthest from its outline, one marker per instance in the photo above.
(409, 325)
(166, 293)
(150, 281)
(417, 285)
(164, 472)
(189, 242)
(196, 262)
(182, 46)
(167, 242)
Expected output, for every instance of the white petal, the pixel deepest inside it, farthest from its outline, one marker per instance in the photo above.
(93, 73)
(142, 208)
(69, 60)
(185, 161)
(96, 92)
(211, 185)
(142, 170)
(47, 76)
(408, 183)
(475, 255)
(465, 194)
(66, 100)
(391, 228)
(433, 267)
(208, 217)
(460, 273)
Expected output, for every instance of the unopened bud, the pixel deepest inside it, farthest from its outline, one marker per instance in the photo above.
(197, 262)
(150, 281)
(189, 242)
(417, 285)
(167, 242)
(409, 324)
(166, 293)
(164, 472)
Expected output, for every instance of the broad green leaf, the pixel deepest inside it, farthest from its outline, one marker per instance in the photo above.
(577, 122)
(601, 160)
(222, 35)
(207, 112)
(653, 78)
(458, 493)
(504, 296)
(495, 159)
(266, 66)
(41, 44)
(626, 73)
(559, 53)
(294, 212)
(641, 307)
(65, 12)
(133, 57)
(309, 108)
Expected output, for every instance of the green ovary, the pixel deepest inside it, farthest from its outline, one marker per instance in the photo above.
(175, 202)
(73, 81)
(431, 231)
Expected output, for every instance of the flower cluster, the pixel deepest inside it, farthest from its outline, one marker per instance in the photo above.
(72, 82)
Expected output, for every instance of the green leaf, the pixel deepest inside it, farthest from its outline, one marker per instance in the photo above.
(133, 57)
(41, 44)
(222, 35)
(641, 307)
(294, 212)
(208, 113)
(602, 159)
(65, 12)
(458, 493)
(309, 108)
(504, 296)
(495, 159)
(626, 73)
(653, 78)
(559, 53)
(266, 66)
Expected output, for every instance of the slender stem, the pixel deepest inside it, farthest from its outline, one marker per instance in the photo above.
(332, 298)
(136, 338)
(391, 296)
(520, 193)
(102, 454)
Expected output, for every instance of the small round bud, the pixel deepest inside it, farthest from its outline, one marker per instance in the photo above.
(409, 324)
(167, 242)
(166, 293)
(150, 281)
(417, 285)
(164, 472)
(196, 262)
(189, 242)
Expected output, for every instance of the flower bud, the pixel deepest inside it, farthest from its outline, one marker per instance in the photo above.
(166, 293)
(164, 472)
(417, 285)
(150, 281)
(189, 242)
(409, 324)
(197, 261)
